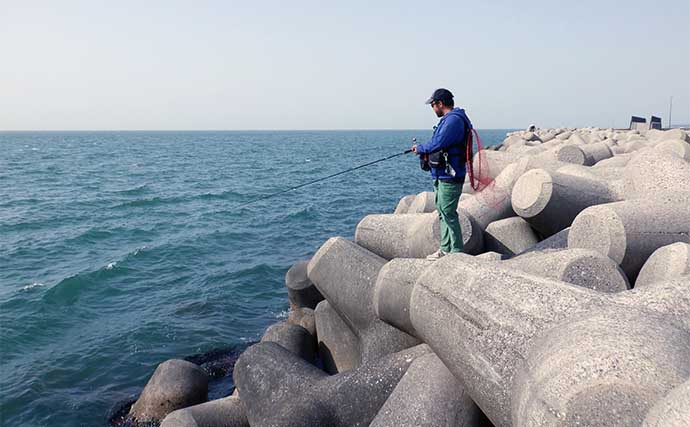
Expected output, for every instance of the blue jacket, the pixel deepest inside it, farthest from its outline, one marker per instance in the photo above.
(450, 134)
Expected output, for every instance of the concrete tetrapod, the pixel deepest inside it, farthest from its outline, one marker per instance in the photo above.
(280, 389)
(671, 411)
(557, 241)
(499, 330)
(303, 317)
(345, 273)
(225, 412)
(665, 263)
(550, 201)
(424, 202)
(301, 292)
(338, 345)
(581, 267)
(629, 231)
(648, 175)
(428, 395)
(295, 339)
(509, 236)
(490, 205)
(409, 235)
(404, 204)
(675, 146)
(586, 155)
(175, 384)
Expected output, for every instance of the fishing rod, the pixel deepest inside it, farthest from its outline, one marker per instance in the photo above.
(268, 196)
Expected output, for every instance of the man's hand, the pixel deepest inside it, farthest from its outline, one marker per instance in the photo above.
(414, 148)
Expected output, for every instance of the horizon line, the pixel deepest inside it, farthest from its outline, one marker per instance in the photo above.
(233, 130)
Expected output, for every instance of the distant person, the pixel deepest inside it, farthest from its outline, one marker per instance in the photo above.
(444, 155)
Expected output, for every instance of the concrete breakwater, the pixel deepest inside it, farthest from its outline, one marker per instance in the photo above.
(571, 305)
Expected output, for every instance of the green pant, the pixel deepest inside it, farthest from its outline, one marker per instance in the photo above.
(447, 195)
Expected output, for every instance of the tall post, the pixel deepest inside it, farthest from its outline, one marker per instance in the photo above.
(670, 110)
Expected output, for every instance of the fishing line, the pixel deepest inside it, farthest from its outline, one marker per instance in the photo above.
(268, 196)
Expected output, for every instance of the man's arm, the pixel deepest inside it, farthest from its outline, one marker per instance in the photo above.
(450, 132)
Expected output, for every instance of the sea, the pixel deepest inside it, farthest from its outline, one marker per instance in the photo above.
(120, 250)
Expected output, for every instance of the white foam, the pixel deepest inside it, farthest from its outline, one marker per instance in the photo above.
(33, 285)
(111, 265)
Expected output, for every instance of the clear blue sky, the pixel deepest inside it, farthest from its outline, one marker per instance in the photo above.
(339, 65)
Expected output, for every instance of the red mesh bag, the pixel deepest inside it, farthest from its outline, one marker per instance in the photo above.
(483, 185)
(477, 167)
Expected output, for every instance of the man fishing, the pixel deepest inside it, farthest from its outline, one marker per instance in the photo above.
(444, 156)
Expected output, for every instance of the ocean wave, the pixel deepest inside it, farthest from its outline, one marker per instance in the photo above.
(145, 203)
(224, 195)
(308, 212)
(68, 290)
(32, 286)
(134, 191)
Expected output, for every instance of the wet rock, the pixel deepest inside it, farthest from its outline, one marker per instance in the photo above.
(175, 384)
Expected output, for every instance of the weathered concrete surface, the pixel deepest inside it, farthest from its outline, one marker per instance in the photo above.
(346, 273)
(410, 235)
(338, 345)
(225, 412)
(581, 267)
(586, 155)
(393, 290)
(671, 411)
(583, 371)
(295, 339)
(629, 231)
(509, 236)
(404, 204)
(490, 205)
(665, 263)
(550, 201)
(175, 384)
(557, 241)
(428, 395)
(485, 335)
(675, 146)
(493, 162)
(491, 256)
(650, 175)
(660, 135)
(303, 317)
(424, 202)
(402, 235)
(670, 298)
(280, 389)
(301, 291)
